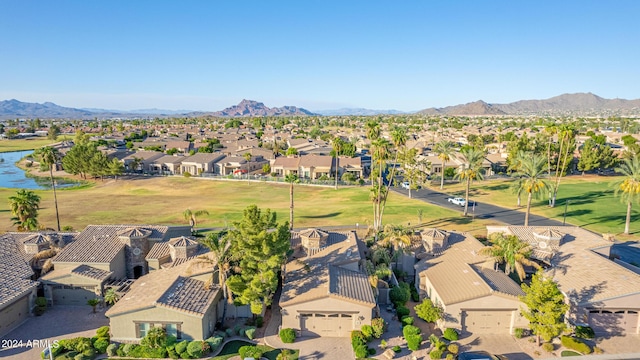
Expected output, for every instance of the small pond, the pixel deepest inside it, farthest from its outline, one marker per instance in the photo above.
(12, 176)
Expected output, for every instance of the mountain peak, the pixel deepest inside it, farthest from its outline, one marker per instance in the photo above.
(250, 108)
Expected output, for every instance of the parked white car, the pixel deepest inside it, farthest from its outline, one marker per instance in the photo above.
(460, 201)
(405, 185)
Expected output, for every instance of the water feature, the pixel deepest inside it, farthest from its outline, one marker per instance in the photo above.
(12, 176)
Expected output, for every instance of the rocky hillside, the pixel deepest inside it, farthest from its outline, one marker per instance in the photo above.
(17, 109)
(250, 108)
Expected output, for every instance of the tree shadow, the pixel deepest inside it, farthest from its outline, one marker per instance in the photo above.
(322, 216)
(498, 187)
(313, 356)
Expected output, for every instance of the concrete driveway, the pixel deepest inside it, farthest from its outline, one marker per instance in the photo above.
(60, 322)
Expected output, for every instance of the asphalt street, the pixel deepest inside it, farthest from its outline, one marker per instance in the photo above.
(481, 210)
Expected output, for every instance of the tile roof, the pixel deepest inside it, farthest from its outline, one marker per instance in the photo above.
(91, 272)
(350, 284)
(579, 269)
(182, 241)
(499, 281)
(15, 273)
(189, 295)
(158, 251)
(200, 158)
(316, 161)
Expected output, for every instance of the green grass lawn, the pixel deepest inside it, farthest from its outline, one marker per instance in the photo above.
(29, 144)
(231, 348)
(162, 201)
(591, 202)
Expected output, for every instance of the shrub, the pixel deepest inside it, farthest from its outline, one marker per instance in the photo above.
(400, 294)
(198, 348)
(402, 311)
(250, 333)
(185, 355)
(396, 349)
(250, 351)
(379, 326)
(239, 330)
(383, 344)
(287, 335)
(518, 333)
(450, 357)
(428, 312)
(230, 332)
(575, 344)
(111, 349)
(79, 357)
(371, 351)
(453, 348)
(259, 321)
(41, 301)
(103, 332)
(181, 347)
(358, 338)
(186, 174)
(410, 330)
(584, 332)
(407, 320)
(548, 347)
(367, 331)
(435, 354)
(360, 351)
(214, 342)
(172, 354)
(128, 348)
(156, 338)
(171, 340)
(412, 336)
(450, 334)
(120, 350)
(101, 345)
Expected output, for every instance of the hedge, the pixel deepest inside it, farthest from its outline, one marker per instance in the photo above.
(287, 335)
(575, 344)
(450, 334)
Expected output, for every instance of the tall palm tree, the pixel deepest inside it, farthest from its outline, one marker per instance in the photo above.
(470, 170)
(291, 179)
(337, 145)
(445, 150)
(629, 186)
(532, 179)
(192, 217)
(50, 157)
(512, 252)
(379, 154)
(24, 207)
(396, 236)
(515, 167)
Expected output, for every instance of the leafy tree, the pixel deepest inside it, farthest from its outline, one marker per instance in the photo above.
(266, 168)
(545, 307)
(428, 312)
(445, 150)
(156, 338)
(115, 168)
(24, 207)
(566, 136)
(628, 187)
(263, 245)
(397, 237)
(509, 250)
(531, 173)
(53, 132)
(192, 217)
(50, 156)
(415, 171)
(470, 170)
(292, 151)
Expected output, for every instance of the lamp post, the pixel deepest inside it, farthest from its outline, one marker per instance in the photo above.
(564, 217)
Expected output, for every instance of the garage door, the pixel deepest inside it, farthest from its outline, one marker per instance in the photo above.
(327, 325)
(14, 315)
(614, 322)
(72, 296)
(484, 322)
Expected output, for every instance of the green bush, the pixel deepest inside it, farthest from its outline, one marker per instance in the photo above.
(181, 347)
(198, 348)
(79, 357)
(367, 331)
(128, 348)
(171, 340)
(172, 354)
(584, 332)
(250, 333)
(358, 338)
(450, 334)
(239, 330)
(361, 351)
(402, 311)
(287, 335)
(101, 345)
(453, 348)
(120, 350)
(214, 342)
(450, 357)
(575, 344)
(518, 332)
(259, 321)
(103, 332)
(250, 351)
(548, 347)
(379, 326)
(412, 336)
(111, 349)
(230, 332)
(396, 348)
(407, 320)
(400, 294)
(371, 351)
(435, 354)
(41, 301)
(185, 355)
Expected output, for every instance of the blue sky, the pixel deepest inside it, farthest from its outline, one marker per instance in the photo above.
(405, 55)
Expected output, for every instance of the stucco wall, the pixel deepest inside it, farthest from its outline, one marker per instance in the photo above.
(123, 327)
(452, 316)
(289, 313)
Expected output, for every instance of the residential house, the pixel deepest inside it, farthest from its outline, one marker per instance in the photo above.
(238, 165)
(325, 292)
(602, 289)
(141, 161)
(476, 298)
(315, 166)
(182, 146)
(200, 163)
(101, 254)
(353, 165)
(285, 165)
(166, 165)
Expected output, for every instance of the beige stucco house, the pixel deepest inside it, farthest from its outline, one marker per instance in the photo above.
(603, 291)
(475, 297)
(325, 293)
(200, 163)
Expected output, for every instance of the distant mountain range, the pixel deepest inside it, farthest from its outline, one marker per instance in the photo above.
(567, 104)
(578, 104)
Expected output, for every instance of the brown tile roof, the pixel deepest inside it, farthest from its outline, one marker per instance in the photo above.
(15, 273)
(91, 272)
(188, 295)
(158, 251)
(201, 158)
(316, 161)
(499, 281)
(182, 241)
(350, 285)
(286, 162)
(579, 269)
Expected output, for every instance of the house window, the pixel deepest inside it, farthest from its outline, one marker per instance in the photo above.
(143, 328)
(173, 330)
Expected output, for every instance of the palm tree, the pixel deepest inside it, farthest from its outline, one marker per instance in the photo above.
(399, 140)
(220, 258)
(291, 179)
(192, 217)
(445, 150)
(396, 236)
(50, 157)
(512, 252)
(337, 145)
(470, 170)
(629, 186)
(532, 179)
(93, 303)
(111, 297)
(24, 208)
(379, 153)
